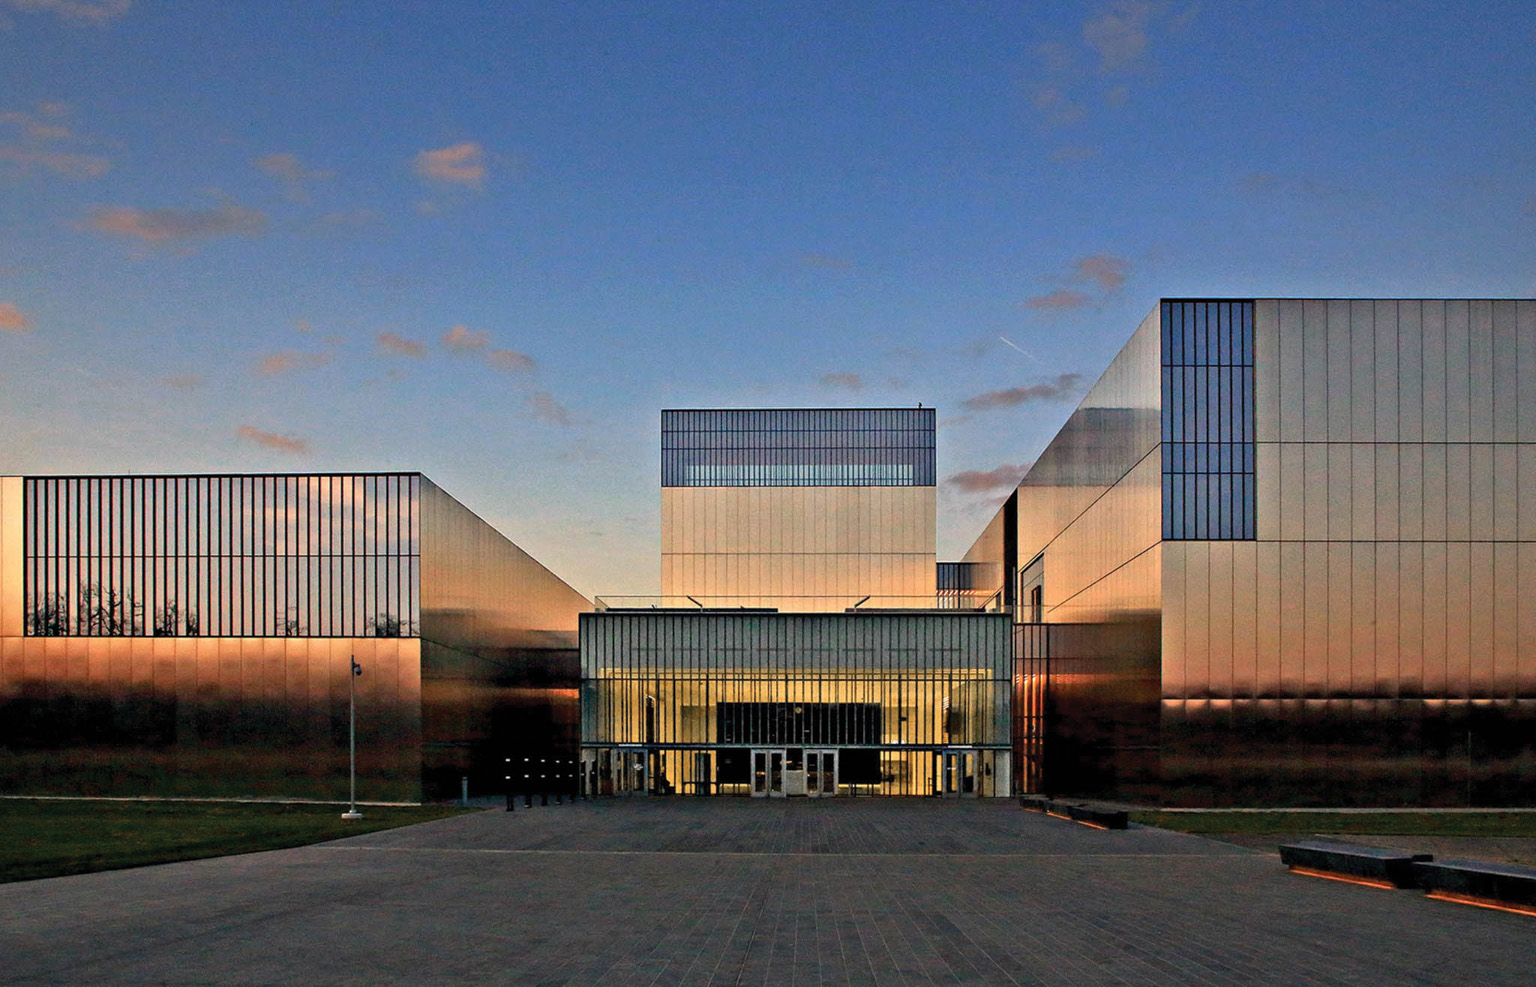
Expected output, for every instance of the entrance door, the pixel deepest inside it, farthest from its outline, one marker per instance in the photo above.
(821, 774)
(768, 774)
(957, 774)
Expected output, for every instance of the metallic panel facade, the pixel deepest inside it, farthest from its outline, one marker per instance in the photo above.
(499, 666)
(900, 688)
(277, 583)
(804, 548)
(1375, 643)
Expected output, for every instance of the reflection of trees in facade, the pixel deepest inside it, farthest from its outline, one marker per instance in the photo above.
(223, 556)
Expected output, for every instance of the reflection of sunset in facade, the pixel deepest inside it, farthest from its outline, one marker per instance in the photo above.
(1278, 554)
(802, 644)
(191, 635)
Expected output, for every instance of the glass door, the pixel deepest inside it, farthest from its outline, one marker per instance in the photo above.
(821, 774)
(768, 774)
(957, 774)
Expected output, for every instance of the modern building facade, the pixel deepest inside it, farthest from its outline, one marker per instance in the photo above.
(192, 635)
(799, 509)
(1284, 551)
(806, 642)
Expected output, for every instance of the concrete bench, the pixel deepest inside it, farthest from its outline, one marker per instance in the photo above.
(1479, 881)
(1081, 812)
(1376, 865)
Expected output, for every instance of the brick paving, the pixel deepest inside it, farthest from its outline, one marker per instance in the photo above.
(699, 891)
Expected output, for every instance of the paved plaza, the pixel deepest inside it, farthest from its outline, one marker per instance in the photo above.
(735, 891)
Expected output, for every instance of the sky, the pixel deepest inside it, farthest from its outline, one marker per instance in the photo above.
(491, 242)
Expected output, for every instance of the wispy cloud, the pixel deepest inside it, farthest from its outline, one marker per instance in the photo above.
(81, 11)
(1073, 153)
(183, 382)
(287, 361)
(847, 382)
(1057, 300)
(271, 440)
(543, 406)
(400, 346)
(39, 136)
(826, 262)
(1063, 387)
(1113, 51)
(157, 226)
(1105, 270)
(462, 339)
(1004, 477)
(1105, 273)
(64, 163)
(457, 164)
(288, 169)
(510, 361)
(1119, 34)
(13, 319)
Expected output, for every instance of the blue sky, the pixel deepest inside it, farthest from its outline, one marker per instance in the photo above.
(492, 241)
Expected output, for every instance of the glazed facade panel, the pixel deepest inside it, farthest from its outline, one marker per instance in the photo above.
(857, 447)
(695, 693)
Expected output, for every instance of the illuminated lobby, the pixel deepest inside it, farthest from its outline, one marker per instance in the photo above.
(801, 645)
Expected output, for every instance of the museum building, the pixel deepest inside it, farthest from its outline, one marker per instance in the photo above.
(192, 636)
(1284, 551)
(802, 644)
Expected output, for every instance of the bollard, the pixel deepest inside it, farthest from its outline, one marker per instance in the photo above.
(511, 806)
(464, 792)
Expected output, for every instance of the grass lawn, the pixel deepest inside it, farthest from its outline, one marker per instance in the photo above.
(44, 838)
(1281, 822)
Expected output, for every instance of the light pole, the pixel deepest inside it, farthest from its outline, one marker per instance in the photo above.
(357, 670)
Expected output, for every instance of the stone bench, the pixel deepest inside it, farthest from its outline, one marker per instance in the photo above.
(1479, 881)
(1376, 865)
(1081, 812)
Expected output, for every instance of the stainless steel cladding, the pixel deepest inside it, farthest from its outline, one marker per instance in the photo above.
(192, 635)
(1358, 632)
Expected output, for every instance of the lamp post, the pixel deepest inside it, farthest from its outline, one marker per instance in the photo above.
(357, 670)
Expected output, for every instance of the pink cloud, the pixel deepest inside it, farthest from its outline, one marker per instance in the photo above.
(1057, 300)
(1105, 270)
(462, 339)
(13, 319)
(400, 346)
(457, 164)
(545, 408)
(1003, 477)
(288, 169)
(163, 225)
(83, 11)
(270, 440)
(850, 382)
(287, 361)
(1064, 386)
(511, 361)
(59, 162)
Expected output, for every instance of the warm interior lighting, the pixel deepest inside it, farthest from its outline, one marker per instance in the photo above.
(1346, 878)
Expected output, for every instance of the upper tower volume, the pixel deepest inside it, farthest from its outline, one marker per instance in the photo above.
(799, 509)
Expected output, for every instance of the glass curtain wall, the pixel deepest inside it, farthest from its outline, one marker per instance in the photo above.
(887, 694)
(222, 556)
